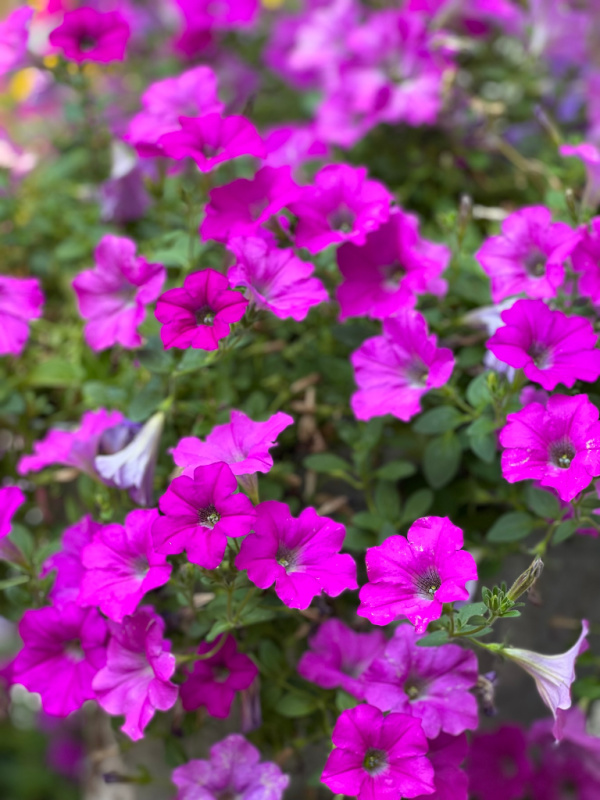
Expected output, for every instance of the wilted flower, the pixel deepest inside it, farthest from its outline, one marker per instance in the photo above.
(90, 35)
(21, 299)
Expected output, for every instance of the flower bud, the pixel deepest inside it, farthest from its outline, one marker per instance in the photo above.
(526, 580)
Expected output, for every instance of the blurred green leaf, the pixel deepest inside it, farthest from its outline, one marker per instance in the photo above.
(511, 527)
(438, 420)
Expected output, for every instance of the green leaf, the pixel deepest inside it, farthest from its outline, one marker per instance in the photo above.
(357, 540)
(345, 701)
(565, 530)
(511, 527)
(396, 470)
(326, 462)
(387, 500)
(438, 420)
(470, 610)
(194, 360)
(296, 705)
(434, 639)
(155, 358)
(16, 581)
(441, 460)
(417, 505)
(482, 439)
(544, 504)
(56, 372)
(220, 626)
(146, 401)
(478, 393)
(367, 521)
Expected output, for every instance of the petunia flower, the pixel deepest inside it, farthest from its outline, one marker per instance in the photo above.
(214, 681)
(67, 562)
(63, 649)
(14, 33)
(557, 444)
(378, 757)
(275, 279)
(586, 261)
(11, 498)
(301, 556)
(21, 299)
(224, 15)
(549, 346)
(113, 296)
(446, 754)
(199, 314)
(414, 576)
(136, 679)
(499, 766)
(590, 156)
(395, 370)
(433, 684)
(293, 145)
(86, 34)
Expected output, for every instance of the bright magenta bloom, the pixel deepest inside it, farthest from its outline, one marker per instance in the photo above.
(63, 649)
(549, 346)
(199, 314)
(223, 15)
(214, 681)
(14, 33)
(121, 566)
(395, 370)
(21, 299)
(412, 577)
(586, 261)
(557, 445)
(378, 757)
(275, 280)
(446, 754)
(89, 35)
(11, 498)
(498, 766)
(200, 514)
(67, 562)
(113, 296)
(136, 679)
(301, 556)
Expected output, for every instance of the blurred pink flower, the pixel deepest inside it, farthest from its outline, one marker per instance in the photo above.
(14, 33)
(21, 299)
(89, 35)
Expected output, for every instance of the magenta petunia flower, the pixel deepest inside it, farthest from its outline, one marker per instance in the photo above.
(14, 33)
(275, 279)
(200, 514)
(393, 266)
(232, 771)
(301, 556)
(136, 679)
(243, 444)
(293, 145)
(378, 757)
(339, 657)
(90, 35)
(431, 683)
(212, 140)
(586, 261)
(214, 681)
(121, 566)
(446, 754)
(63, 649)
(222, 15)
(21, 299)
(498, 766)
(557, 445)
(11, 498)
(67, 562)
(241, 207)
(528, 256)
(590, 156)
(200, 313)
(412, 577)
(113, 296)
(342, 205)
(395, 370)
(549, 346)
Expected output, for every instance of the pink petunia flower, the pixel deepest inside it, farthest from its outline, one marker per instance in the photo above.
(301, 556)
(499, 767)
(557, 444)
(586, 261)
(275, 280)
(14, 33)
(200, 514)
(90, 35)
(214, 681)
(293, 145)
(63, 649)
(549, 346)
(412, 577)
(528, 256)
(393, 266)
(212, 140)
(222, 15)
(339, 657)
(199, 314)
(342, 205)
(121, 566)
(446, 754)
(590, 156)
(395, 370)
(136, 679)
(241, 207)
(233, 770)
(433, 684)
(113, 296)
(21, 299)
(67, 562)
(378, 757)
(11, 498)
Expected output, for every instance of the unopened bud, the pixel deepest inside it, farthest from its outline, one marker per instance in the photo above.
(465, 212)
(526, 580)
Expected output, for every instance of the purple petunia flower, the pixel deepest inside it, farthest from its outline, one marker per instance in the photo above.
(233, 770)
(21, 299)
(549, 346)
(339, 657)
(90, 35)
(395, 370)
(200, 514)
(498, 766)
(342, 205)
(63, 649)
(67, 562)
(222, 15)
(446, 754)
(431, 683)
(11, 498)
(378, 757)
(14, 33)
(557, 445)
(301, 556)
(121, 566)
(201, 313)
(275, 280)
(293, 145)
(528, 256)
(412, 577)
(586, 261)
(113, 296)
(136, 679)
(214, 681)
